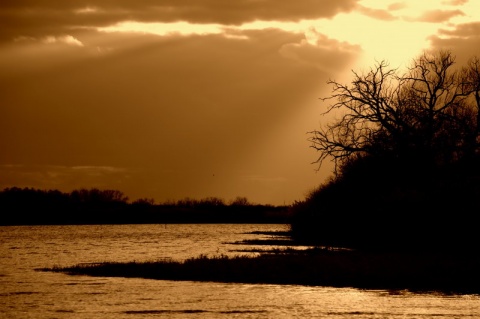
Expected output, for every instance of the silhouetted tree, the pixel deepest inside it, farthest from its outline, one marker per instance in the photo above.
(405, 148)
(239, 201)
(144, 202)
(426, 115)
(211, 202)
(472, 79)
(97, 196)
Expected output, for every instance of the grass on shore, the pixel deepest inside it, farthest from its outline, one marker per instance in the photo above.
(445, 273)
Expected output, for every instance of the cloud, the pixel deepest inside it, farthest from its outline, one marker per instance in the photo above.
(376, 13)
(455, 2)
(166, 29)
(437, 16)
(463, 40)
(87, 10)
(397, 6)
(325, 54)
(65, 39)
(98, 170)
(464, 31)
(33, 19)
(64, 178)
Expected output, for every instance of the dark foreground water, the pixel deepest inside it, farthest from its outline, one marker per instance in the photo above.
(26, 293)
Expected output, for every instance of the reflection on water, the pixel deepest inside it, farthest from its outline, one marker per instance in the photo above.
(25, 293)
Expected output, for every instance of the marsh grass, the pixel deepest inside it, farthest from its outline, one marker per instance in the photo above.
(452, 273)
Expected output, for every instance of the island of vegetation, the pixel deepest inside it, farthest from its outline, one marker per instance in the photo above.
(402, 203)
(394, 271)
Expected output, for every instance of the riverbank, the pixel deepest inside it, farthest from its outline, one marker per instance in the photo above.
(416, 272)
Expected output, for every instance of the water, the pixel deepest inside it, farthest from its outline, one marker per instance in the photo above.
(26, 293)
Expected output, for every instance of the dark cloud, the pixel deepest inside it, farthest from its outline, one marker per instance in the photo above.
(35, 19)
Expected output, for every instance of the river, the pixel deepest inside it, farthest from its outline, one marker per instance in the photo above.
(27, 293)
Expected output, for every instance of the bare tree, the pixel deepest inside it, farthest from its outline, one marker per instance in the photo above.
(426, 113)
(472, 80)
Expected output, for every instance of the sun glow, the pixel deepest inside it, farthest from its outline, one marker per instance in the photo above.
(393, 41)
(396, 31)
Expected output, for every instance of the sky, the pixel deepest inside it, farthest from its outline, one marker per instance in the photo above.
(170, 99)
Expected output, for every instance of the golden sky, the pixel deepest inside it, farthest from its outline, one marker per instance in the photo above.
(169, 99)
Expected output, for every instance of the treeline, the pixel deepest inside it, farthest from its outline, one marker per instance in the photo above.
(29, 206)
